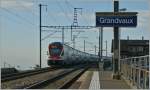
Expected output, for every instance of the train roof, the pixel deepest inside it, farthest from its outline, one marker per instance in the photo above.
(56, 43)
(72, 47)
(80, 51)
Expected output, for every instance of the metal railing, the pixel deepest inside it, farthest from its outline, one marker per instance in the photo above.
(136, 70)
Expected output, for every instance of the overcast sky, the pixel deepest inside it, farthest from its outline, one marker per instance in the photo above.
(19, 26)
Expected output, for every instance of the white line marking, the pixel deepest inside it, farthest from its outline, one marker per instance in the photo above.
(95, 84)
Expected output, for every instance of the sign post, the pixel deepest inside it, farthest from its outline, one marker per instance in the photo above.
(116, 19)
(116, 59)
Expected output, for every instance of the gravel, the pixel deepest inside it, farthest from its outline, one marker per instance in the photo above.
(26, 81)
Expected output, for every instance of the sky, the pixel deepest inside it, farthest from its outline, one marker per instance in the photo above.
(19, 27)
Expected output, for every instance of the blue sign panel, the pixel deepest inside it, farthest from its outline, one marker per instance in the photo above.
(116, 21)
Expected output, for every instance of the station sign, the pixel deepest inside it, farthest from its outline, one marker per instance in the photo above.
(117, 19)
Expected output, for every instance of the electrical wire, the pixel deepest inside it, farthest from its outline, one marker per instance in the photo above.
(48, 35)
(62, 9)
(25, 7)
(70, 6)
(18, 16)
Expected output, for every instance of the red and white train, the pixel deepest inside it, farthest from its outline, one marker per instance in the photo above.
(61, 54)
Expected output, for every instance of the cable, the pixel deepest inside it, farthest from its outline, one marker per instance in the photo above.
(63, 10)
(19, 2)
(53, 18)
(86, 20)
(70, 7)
(69, 4)
(48, 35)
(18, 16)
(10, 19)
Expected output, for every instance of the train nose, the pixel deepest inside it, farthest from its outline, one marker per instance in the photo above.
(55, 57)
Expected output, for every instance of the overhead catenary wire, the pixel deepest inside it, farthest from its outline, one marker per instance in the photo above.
(52, 17)
(65, 13)
(69, 7)
(47, 36)
(62, 9)
(72, 7)
(85, 20)
(50, 34)
(69, 4)
(54, 20)
(17, 15)
(11, 19)
(27, 8)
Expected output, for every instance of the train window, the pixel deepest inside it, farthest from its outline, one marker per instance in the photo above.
(55, 51)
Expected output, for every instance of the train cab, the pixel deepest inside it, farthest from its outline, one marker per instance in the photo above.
(55, 53)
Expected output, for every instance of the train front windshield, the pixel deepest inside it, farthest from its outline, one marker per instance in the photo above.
(55, 49)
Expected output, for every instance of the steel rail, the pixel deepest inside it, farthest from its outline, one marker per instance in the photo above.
(69, 82)
(52, 79)
(21, 72)
(24, 74)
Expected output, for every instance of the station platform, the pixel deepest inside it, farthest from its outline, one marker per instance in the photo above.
(106, 81)
(95, 81)
(103, 80)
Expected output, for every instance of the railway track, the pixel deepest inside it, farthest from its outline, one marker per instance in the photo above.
(24, 74)
(60, 81)
(44, 78)
(20, 72)
(21, 80)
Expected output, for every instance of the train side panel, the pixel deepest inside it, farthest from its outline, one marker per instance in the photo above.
(72, 56)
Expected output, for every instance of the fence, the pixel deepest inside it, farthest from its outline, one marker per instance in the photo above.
(136, 70)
